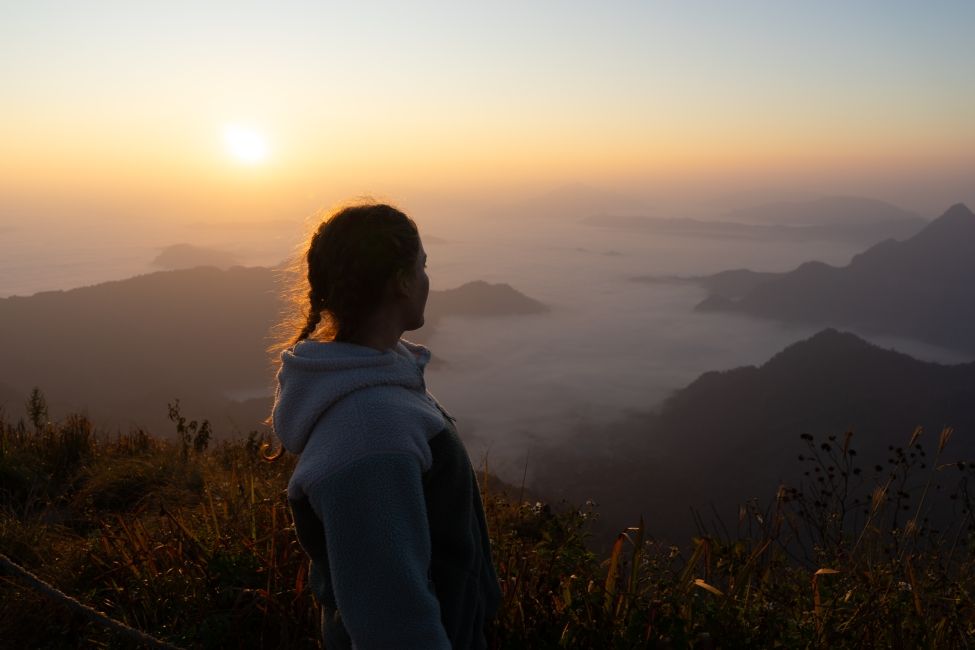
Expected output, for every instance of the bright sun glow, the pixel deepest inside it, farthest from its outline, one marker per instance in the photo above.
(245, 144)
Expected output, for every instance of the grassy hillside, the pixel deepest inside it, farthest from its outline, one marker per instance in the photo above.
(730, 435)
(192, 542)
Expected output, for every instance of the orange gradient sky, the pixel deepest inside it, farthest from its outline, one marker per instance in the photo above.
(122, 108)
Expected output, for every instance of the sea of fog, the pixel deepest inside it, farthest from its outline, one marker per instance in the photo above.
(608, 345)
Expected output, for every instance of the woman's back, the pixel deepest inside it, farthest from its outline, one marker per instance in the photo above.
(384, 497)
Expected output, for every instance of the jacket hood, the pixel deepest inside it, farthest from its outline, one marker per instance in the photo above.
(314, 375)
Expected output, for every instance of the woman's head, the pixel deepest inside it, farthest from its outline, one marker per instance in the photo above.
(360, 260)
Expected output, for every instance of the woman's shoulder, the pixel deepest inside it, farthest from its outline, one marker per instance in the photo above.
(372, 421)
(387, 416)
(388, 408)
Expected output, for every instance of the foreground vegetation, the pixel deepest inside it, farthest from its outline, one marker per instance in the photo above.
(191, 541)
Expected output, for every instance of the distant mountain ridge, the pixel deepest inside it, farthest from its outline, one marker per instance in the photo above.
(823, 211)
(922, 288)
(857, 233)
(123, 349)
(574, 201)
(847, 219)
(733, 435)
(187, 256)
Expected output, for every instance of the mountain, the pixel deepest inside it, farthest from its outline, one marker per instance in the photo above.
(826, 210)
(722, 286)
(853, 231)
(124, 349)
(922, 288)
(480, 298)
(733, 435)
(735, 283)
(849, 219)
(573, 201)
(187, 256)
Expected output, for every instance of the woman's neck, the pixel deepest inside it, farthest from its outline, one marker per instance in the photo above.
(379, 334)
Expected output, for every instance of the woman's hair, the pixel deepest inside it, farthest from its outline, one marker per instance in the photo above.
(348, 263)
(341, 274)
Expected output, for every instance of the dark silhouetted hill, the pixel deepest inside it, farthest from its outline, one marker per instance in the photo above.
(735, 283)
(123, 349)
(480, 298)
(922, 288)
(734, 435)
(726, 285)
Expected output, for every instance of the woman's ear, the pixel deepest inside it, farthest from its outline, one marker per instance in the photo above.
(402, 283)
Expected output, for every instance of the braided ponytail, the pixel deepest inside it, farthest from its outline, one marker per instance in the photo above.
(316, 292)
(316, 305)
(314, 318)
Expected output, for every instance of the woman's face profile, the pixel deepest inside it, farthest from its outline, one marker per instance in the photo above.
(416, 291)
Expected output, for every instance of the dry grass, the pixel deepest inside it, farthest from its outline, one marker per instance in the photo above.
(195, 545)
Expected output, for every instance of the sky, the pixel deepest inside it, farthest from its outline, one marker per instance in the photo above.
(124, 108)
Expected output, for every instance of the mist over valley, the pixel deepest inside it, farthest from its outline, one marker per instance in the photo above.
(555, 361)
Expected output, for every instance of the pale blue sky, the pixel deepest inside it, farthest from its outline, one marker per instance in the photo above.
(555, 90)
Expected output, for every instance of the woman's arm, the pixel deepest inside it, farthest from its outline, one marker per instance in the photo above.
(378, 542)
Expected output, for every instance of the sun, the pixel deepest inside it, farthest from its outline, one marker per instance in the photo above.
(245, 144)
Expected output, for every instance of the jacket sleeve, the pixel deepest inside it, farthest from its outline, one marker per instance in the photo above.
(378, 541)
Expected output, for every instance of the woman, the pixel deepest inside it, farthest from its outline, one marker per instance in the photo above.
(384, 497)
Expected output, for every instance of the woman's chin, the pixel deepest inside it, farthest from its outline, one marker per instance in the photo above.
(416, 325)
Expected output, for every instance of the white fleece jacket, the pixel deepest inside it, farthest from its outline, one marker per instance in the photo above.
(360, 422)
